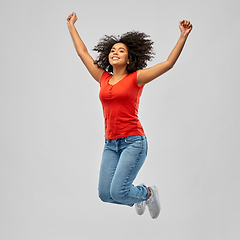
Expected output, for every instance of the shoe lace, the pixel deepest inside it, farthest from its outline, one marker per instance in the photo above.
(140, 205)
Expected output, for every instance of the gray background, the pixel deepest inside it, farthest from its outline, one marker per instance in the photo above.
(51, 125)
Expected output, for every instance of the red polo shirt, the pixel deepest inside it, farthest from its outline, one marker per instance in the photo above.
(120, 104)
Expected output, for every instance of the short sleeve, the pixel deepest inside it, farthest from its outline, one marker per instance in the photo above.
(134, 79)
(104, 76)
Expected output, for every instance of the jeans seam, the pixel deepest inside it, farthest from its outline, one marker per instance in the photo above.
(130, 142)
(129, 173)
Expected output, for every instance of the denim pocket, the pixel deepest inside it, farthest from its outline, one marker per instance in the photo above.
(132, 139)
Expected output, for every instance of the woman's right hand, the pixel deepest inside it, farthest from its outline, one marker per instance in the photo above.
(72, 18)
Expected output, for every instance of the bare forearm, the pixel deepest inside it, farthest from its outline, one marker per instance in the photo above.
(77, 41)
(174, 55)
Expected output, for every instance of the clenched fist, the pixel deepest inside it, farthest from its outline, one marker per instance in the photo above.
(72, 18)
(185, 27)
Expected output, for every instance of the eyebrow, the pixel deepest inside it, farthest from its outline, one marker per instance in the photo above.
(119, 48)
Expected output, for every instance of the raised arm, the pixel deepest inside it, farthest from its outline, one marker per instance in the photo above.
(82, 49)
(147, 75)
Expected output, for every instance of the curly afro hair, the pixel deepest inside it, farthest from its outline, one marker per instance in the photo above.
(139, 47)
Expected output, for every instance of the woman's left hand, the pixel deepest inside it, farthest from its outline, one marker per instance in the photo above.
(185, 27)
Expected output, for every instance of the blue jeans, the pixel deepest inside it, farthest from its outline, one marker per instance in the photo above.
(121, 161)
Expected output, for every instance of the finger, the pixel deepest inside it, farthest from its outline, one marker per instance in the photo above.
(181, 22)
(70, 16)
(186, 23)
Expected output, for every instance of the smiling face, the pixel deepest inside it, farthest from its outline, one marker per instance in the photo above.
(118, 56)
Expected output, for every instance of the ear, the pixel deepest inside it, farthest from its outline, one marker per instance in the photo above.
(129, 57)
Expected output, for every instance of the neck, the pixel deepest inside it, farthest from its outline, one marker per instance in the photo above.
(119, 72)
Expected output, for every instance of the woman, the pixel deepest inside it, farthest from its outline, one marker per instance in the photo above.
(120, 70)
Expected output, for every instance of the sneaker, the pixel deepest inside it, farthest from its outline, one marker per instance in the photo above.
(140, 207)
(153, 203)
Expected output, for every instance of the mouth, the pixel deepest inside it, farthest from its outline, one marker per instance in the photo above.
(115, 58)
